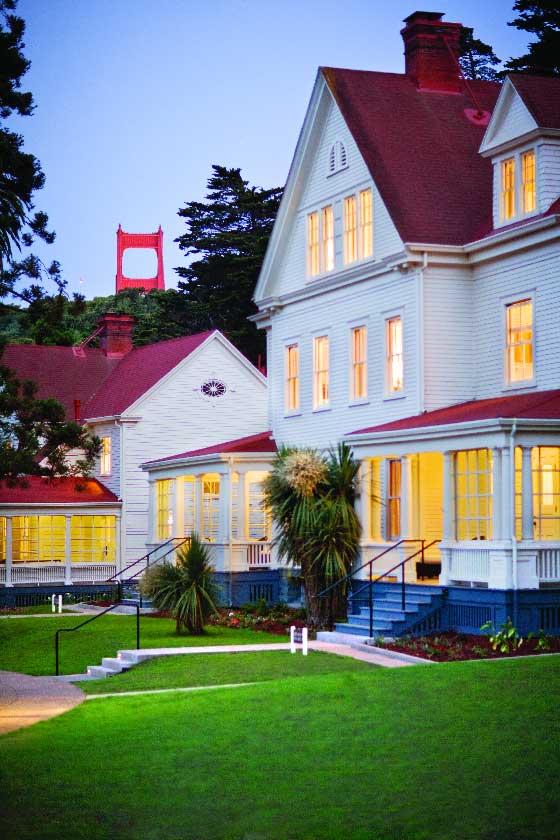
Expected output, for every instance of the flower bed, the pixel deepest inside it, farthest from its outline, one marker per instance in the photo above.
(276, 620)
(456, 647)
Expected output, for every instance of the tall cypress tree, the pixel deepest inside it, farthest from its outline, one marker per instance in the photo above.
(541, 18)
(476, 58)
(229, 233)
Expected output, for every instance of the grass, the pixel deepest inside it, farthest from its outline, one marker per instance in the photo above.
(221, 669)
(458, 751)
(27, 644)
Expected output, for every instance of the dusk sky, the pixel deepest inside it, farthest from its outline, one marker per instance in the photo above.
(136, 100)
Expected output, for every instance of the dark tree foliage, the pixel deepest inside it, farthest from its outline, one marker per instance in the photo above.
(229, 233)
(476, 58)
(29, 427)
(543, 20)
(34, 430)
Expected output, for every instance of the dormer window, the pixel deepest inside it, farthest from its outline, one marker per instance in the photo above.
(338, 157)
(518, 186)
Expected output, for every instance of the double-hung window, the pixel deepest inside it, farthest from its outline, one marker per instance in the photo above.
(105, 463)
(313, 264)
(366, 225)
(292, 377)
(394, 355)
(519, 341)
(358, 226)
(320, 241)
(473, 494)
(517, 185)
(394, 484)
(327, 240)
(350, 231)
(358, 386)
(165, 503)
(321, 371)
(528, 182)
(507, 196)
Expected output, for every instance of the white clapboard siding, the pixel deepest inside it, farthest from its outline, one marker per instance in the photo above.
(548, 174)
(514, 119)
(321, 188)
(334, 313)
(449, 374)
(536, 272)
(175, 418)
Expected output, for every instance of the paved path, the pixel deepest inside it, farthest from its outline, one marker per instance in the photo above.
(25, 700)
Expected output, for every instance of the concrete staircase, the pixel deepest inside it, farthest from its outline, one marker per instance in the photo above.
(389, 619)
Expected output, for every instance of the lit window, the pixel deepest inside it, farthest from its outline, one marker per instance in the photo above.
(320, 371)
(92, 539)
(165, 497)
(350, 244)
(292, 377)
(394, 343)
(473, 494)
(313, 243)
(258, 515)
(105, 464)
(528, 181)
(210, 507)
(327, 220)
(359, 364)
(38, 539)
(545, 465)
(366, 224)
(519, 341)
(394, 475)
(508, 189)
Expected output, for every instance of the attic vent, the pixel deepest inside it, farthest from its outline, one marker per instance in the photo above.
(338, 157)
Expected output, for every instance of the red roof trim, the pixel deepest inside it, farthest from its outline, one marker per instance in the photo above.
(38, 490)
(539, 405)
(261, 442)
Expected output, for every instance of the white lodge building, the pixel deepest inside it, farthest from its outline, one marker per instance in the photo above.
(411, 298)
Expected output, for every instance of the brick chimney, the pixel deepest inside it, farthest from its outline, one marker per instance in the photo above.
(115, 336)
(428, 60)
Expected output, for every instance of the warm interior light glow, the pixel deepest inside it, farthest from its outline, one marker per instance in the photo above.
(313, 243)
(350, 250)
(366, 224)
(508, 189)
(394, 354)
(359, 363)
(328, 238)
(320, 371)
(105, 462)
(292, 377)
(528, 181)
(519, 341)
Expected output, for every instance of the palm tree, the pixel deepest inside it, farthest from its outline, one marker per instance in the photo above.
(311, 497)
(186, 589)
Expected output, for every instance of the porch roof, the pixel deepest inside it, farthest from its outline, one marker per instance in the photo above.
(261, 442)
(64, 490)
(538, 405)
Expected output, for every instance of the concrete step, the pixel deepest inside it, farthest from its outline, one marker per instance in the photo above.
(114, 664)
(99, 672)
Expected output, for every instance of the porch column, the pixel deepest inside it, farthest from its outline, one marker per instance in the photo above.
(118, 542)
(67, 550)
(527, 531)
(152, 531)
(224, 527)
(497, 495)
(198, 504)
(507, 524)
(362, 498)
(179, 526)
(448, 513)
(242, 506)
(406, 492)
(9, 544)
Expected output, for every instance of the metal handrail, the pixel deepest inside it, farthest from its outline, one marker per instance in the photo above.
(146, 557)
(94, 618)
(372, 580)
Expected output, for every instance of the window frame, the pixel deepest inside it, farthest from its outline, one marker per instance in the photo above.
(393, 500)
(508, 303)
(288, 409)
(354, 398)
(105, 459)
(474, 513)
(323, 405)
(390, 392)
(517, 190)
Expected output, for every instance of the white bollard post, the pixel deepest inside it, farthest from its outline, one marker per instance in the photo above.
(52, 603)
(60, 604)
(304, 641)
(292, 639)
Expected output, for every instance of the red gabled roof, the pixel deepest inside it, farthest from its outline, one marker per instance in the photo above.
(421, 151)
(39, 490)
(541, 95)
(538, 405)
(60, 372)
(139, 371)
(261, 442)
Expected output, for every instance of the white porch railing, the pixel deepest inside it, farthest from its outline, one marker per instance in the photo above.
(472, 564)
(258, 554)
(56, 573)
(548, 564)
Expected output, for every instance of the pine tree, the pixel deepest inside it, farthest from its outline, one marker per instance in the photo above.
(476, 58)
(230, 233)
(543, 20)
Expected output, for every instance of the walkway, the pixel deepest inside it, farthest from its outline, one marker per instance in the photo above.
(25, 700)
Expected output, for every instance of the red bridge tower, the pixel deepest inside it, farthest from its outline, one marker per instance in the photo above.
(140, 240)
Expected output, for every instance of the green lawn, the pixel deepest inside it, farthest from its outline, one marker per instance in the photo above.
(221, 669)
(461, 751)
(27, 644)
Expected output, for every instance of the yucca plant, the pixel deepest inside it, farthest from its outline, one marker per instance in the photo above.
(311, 497)
(186, 589)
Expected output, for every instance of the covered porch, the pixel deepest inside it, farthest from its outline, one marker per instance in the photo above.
(487, 489)
(216, 492)
(59, 531)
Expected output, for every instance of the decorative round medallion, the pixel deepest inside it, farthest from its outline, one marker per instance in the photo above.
(213, 388)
